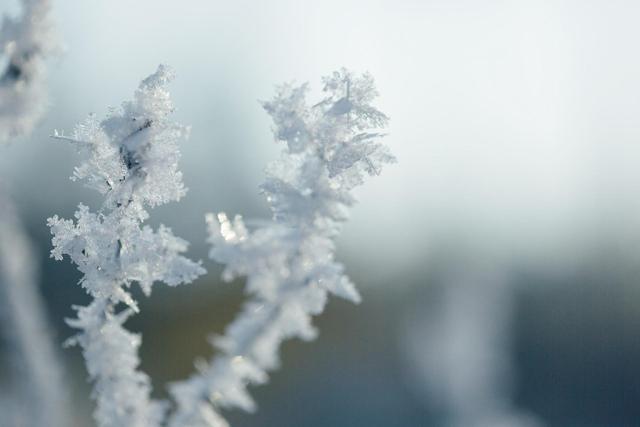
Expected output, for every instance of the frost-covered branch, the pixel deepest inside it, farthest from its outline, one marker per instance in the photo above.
(289, 262)
(132, 158)
(26, 42)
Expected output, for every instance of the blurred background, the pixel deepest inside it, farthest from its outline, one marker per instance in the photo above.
(498, 260)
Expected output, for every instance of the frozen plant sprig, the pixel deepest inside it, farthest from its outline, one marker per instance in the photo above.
(26, 42)
(132, 158)
(289, 262)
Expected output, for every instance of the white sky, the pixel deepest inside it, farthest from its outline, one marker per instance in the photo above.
(515, 122)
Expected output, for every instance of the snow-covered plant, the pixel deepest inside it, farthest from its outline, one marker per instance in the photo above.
(26, 42)
(289, 262)
(132, 158)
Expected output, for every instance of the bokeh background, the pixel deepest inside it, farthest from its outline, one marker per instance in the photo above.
(498, 259)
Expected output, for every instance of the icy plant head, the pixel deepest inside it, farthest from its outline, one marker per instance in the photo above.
(289, 262)
(331, 147)
(25, 42)
(132, 158)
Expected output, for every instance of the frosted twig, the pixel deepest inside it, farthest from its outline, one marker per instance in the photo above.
(136, 167)
(289, 263)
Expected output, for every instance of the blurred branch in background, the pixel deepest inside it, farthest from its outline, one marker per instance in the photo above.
(38, 390)
(459, 348)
